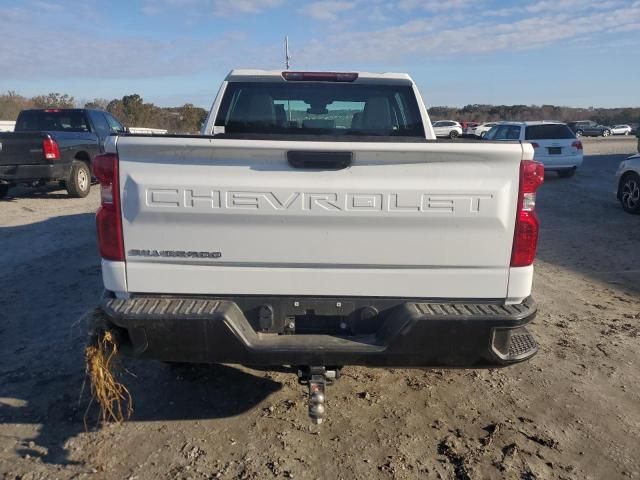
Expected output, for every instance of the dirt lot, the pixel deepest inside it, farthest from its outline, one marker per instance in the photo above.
(571, 412)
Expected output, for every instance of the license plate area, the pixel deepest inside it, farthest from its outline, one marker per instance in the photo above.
(311, 323)
(554, 150)
(316, 316)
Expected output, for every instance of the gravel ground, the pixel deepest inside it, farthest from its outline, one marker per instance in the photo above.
(571, 412)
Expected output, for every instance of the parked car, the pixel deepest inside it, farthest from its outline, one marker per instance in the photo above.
(628, 184)
(621, 130)
(588, 128)
(54, 145)
(447, 128)
(377, 248)
(554, 144)
(482, 129)
(469, 127)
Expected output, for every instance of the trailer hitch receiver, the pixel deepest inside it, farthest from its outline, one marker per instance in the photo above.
(317, 379)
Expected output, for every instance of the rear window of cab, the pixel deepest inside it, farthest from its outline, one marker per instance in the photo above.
(320, 108)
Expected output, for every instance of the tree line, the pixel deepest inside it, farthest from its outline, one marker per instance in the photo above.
(493, 113)
(132, 110)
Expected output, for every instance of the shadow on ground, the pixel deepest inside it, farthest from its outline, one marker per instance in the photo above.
(160, 392)
(54, 280)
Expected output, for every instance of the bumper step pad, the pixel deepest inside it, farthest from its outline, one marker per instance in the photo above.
(521, 343)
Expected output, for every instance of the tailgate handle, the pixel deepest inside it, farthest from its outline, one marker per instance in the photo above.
(319, 160)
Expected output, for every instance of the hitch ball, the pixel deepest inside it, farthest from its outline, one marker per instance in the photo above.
(316, 410)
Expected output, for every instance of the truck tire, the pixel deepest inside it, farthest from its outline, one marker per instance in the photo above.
(629, 193)
(567, 172)
(79, 182)
(453, 134)
(4, 189)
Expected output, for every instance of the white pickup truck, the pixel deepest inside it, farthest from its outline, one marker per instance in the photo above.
(317, 223)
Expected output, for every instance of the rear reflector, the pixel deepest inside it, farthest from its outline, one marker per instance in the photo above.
(319, 76)
(108, 219)
(50, 149)
(525, 238)
(577, 144)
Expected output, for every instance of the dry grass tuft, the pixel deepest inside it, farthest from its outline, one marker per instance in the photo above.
(112, 397)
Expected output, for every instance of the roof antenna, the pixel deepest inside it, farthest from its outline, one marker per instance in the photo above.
(287, 57)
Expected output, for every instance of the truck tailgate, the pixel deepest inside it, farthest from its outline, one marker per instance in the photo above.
(21, 148)
(233, 217)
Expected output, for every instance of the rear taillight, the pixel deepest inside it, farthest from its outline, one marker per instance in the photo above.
(108, 219)
(535, 145)
(577, 145)
(525, 238)
(319, 76)
(50, 149)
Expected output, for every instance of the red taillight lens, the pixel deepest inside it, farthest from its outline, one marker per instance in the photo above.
(535, 145)
(531, 176)
(319, 76)
(108, 219)
(525, 238)
(577, 144)
(50, 149)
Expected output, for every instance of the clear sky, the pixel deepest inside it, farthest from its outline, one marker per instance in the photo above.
(565, 52)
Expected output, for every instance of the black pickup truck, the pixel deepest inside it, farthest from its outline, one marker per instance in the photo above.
(54, 145)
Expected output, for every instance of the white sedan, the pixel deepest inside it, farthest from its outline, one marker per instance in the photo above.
(447, 128)
(621, 130)
(628, 184)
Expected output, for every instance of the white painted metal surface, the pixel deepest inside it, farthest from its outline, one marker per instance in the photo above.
(148, 131)
(7, 125)
(114, 276)
(410, 219)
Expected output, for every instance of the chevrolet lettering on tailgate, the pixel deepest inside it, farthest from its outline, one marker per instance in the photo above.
(305, 201)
